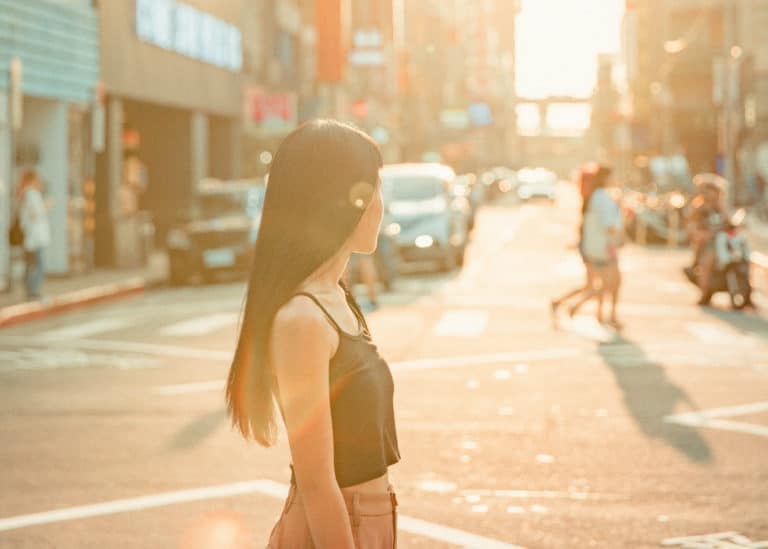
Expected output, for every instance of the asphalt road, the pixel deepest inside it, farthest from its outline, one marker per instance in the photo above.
(513, 434)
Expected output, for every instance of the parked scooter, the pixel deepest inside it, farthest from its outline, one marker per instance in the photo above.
(732, 263)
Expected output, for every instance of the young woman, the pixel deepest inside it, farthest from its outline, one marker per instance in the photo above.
(33, 217)
(590, 288)
(305, 345)
(601, 237)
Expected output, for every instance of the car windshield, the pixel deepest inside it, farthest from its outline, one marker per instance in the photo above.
(413, 188)
(230, 203)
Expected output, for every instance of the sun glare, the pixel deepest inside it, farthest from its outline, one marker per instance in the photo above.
(557, 46)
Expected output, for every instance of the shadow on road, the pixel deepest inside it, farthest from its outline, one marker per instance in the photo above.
(745, 322)
(198, 430)
(650, 396)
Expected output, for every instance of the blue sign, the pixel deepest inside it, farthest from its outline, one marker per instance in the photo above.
(480, 115)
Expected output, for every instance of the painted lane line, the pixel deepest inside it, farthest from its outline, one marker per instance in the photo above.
(469, 323)
(449, 535)
(191, 388)
(264, 487)
(713, 334)
(201, 326)
(85, 329)
(403, 366)
(709, 418)
(484, 360)
(542, 494)
(170, 351)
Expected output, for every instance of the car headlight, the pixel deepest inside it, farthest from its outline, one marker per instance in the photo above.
(393, 229)
(178, 240)
(424, 241)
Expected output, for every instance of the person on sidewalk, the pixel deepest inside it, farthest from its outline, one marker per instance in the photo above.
(590, 288)
(601, 238)
(305, 346)
(33, 217)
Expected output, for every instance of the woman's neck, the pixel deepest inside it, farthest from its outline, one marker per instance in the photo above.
(325, 280)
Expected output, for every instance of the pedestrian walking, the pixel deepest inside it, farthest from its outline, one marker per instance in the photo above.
(601, 239)
(590, 287)
(304, 344)
(33, 220)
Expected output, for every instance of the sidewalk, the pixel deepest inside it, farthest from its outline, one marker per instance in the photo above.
(67, 293)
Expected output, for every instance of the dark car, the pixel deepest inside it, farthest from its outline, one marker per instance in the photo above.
(218, 233)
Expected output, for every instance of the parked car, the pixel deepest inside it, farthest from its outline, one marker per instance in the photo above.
(536, 183)
(428, 221)
(219, 231)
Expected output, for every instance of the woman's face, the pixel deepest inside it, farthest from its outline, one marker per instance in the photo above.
(366, 233)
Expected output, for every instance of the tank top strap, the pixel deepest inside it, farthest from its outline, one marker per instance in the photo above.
(325, 311)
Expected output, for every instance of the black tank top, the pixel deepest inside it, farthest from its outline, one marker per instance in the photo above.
(362, 412)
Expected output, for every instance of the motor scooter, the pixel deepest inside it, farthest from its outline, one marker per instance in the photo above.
(731, 272)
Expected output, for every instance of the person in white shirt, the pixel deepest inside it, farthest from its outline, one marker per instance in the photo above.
(601, 237)
(33, 217)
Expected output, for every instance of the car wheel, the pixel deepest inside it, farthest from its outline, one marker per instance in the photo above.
(449, 260)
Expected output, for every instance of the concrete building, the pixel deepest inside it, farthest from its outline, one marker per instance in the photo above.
(171, 74)
(56, 47)
(697, 74)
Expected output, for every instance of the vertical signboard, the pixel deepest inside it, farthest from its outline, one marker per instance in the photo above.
(331, 24)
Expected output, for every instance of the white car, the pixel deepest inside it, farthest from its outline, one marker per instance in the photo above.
(536, 183)
(428, 221)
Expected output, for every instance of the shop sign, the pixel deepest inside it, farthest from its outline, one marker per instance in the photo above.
(367, 50)
(269, 113)
(180, 28)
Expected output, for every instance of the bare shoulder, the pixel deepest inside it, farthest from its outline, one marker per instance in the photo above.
(300, 332)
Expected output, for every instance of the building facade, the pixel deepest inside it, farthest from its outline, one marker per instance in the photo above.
(172, 98)
(55, 46)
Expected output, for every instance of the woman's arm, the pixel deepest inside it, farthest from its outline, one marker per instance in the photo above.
(302, 343)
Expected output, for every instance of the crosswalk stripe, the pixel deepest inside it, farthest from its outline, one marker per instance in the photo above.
(200, 326)
(710, 333)
(264, 487)
(464, 323)
(85, 329)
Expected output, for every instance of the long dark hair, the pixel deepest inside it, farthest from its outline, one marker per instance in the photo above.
(322, 179)
(593, 177)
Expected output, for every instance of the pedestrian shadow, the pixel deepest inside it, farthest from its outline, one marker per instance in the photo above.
(650, 396)
(198, 430)
(745, 322)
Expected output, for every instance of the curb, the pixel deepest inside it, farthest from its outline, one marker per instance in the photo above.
(24, 312)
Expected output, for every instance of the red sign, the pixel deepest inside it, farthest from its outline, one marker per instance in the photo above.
(269, 112)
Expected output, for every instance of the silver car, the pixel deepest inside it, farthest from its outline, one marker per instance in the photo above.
(423, 214)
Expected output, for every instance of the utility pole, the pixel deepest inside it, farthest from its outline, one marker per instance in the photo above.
(14, 119)
(732, 53)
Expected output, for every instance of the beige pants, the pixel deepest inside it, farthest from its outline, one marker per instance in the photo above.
(373, 518)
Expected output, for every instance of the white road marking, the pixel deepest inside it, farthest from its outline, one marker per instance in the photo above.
(170, 351)
(404, 366)
(711, 333)
(201, 326)
(589, 328)
(541, 494)
(453, 536)
(190, 388)
(715, 541)
(708, 418)
(268, 488)
(464, 323)
(85, 329)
